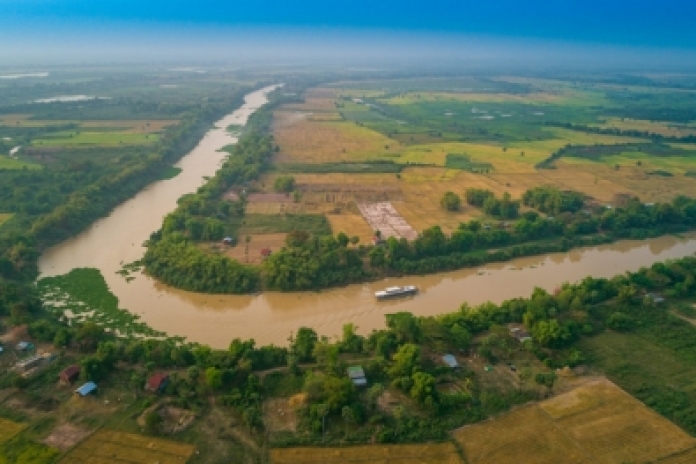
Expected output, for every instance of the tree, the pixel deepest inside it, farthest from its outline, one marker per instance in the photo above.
(284, 184)
(423, 387)
(348, 417)
(303, 344)
(406, 361)
(153, 423)
(547, 379)
(213, 378)
(451, 201)
(251, 417)
(405, 326)
(342, 239)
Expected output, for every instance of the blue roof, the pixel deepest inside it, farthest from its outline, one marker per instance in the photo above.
(86, 389)
(450, 360)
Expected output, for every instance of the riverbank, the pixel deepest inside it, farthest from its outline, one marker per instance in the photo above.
(271, 317)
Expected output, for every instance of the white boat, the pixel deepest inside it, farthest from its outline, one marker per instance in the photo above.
(391, 292)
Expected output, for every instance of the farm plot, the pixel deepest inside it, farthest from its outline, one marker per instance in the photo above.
(113, 447)
(436, 453)
(384, 217)
(305, 141)
(594, 423)
(93, 138)
(9, 429)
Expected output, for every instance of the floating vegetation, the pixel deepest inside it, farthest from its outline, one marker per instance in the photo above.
(127, 269)
(82, 295)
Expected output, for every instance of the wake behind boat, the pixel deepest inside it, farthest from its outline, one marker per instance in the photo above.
(392, 292)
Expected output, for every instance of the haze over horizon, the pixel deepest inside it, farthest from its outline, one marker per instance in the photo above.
(619, 34)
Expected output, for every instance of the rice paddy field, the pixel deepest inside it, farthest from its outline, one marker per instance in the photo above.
(594, 423)
(436, 453)
(408, 141)
(108, 447)
(8, 429)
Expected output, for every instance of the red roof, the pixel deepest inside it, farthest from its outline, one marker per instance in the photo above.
(266, 252)
(70, 372)
(155, 382)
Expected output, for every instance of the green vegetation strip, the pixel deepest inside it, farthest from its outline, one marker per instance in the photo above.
(85, 294)
(170, 172)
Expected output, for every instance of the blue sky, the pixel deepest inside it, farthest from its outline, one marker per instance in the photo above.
(667, 24)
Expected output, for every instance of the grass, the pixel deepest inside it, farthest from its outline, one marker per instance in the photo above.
(8, 430)
(170, 172)
(24, 451)
(82, 294)
(460, 161)
(4, 217)
(253, 224)
(10, 163)
(108, 138)
(596, 422)
(108, 446)
(435, 453)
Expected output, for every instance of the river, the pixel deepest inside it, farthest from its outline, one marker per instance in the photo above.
(270, 317)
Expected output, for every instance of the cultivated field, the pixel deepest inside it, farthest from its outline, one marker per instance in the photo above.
(440, 453)
(112, 447)
(10, 163)
(9, 429)
(92, 138)
(594, 423)
(4, 217)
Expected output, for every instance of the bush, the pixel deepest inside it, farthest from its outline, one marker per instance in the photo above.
(451, 201)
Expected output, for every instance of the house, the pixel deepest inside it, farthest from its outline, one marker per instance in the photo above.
(157, 382)
(450, 361)
(228, 241)
(357, 375)
(86, 389)
(520, 334)
(265, 252)
(70, 374)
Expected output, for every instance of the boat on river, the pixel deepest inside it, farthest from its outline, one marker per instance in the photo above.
(393, 292)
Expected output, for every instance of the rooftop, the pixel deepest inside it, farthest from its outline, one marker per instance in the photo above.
(86, 389)
(450, 360)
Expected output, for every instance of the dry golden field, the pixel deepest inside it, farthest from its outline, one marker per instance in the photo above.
(9, 429)
(312, 133)
(108, 447)
(594, 423)
(436, 453)
(304, 141)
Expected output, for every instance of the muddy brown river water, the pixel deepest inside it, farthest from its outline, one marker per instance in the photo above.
(270, 317)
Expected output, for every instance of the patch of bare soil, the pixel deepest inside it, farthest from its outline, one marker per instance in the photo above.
(280, 415)
(65, 436)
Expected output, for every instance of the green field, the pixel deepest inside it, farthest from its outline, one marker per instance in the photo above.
(107, 138)
(10, 163)
(655, 363)
(253, 224)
